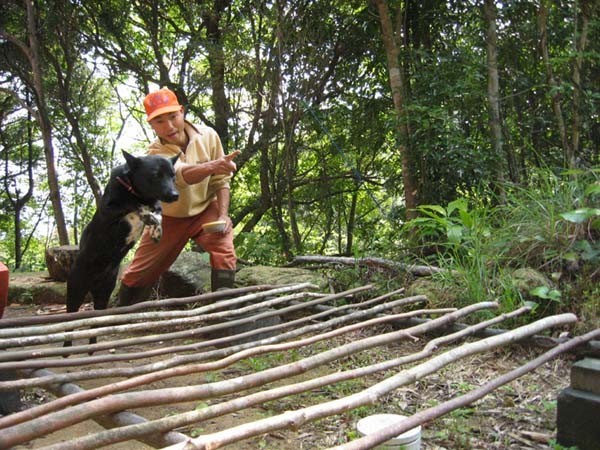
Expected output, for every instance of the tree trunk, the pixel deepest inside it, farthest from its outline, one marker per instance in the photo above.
(290, 159)
(556, 96)
(15, 197)
(21, 202)
(217, 69)
(351, 224)
(46, 128)
(493, 92)
(397, 83)
(580, 44)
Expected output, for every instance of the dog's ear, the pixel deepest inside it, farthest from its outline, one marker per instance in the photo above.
(130, 159)
(174, 159)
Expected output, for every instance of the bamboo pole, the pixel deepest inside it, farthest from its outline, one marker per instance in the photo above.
(69, 416)
(185, 359)
(20, 355)
(36, 335)
(434, 412)
(107, 437)
(61, 351)
(151, 304)
(131, 328)
(28, 355)
(141, 380)
(296, 419)
(164, 336)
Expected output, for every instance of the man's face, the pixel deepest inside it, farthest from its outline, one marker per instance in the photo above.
(169, 127)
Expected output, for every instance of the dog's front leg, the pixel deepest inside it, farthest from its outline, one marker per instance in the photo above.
(152, 217)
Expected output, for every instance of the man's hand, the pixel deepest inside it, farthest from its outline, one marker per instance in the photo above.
(225, 165)
(195, 173)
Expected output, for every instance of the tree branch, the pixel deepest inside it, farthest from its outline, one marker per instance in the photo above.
(368, 261)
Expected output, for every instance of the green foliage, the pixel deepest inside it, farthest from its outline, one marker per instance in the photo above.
(303, 91)
(481, 244)
(546, 293)
(459, 233)
(556, 446)
(550, 232)
(264, 362)
(259, 247)
(33, 259)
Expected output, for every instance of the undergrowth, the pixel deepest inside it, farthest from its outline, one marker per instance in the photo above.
(547, 233)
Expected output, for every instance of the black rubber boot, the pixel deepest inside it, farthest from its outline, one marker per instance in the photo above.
(131, 295)
(221, 279)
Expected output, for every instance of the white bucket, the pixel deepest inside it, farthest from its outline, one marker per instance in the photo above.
(409, 440)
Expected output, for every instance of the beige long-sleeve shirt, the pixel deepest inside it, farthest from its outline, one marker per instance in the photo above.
(204, 145)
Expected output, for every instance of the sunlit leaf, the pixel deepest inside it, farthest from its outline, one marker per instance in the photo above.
(580, 215)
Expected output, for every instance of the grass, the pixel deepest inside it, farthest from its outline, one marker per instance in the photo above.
(552, 228)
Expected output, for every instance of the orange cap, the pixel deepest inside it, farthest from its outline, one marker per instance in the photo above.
(160, 102)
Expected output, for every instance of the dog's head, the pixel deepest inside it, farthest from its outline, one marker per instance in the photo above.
(152, 177)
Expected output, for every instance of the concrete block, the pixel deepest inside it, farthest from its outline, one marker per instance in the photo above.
(585, 376)
(578, 419)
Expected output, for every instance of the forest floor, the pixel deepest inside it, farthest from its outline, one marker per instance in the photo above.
(520, 415)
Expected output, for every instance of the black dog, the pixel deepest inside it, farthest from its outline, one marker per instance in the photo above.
(130, 201)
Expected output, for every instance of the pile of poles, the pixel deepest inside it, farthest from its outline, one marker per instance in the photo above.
(181, 333)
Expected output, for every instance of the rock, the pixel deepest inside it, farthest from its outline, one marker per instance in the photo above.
(525, 279)
(59, 261)
(437, 294)
(188, 275)
(253, 275)
(35, 288)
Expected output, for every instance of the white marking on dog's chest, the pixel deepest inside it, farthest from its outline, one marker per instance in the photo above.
(137, 226)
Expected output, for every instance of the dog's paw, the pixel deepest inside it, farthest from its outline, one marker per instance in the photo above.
(156, 232)
(153, 220)
(150, 219)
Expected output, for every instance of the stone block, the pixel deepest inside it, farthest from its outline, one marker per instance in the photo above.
(585, 376)
(578, 419)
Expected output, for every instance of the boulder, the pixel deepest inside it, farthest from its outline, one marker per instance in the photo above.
(438, 295)
(525, 279)
(188, 275)
(35, 288)
(59, 261)
(254, 275)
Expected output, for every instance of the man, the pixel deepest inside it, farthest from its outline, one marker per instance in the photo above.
(202, 176)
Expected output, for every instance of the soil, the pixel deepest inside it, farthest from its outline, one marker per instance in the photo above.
(521, 415)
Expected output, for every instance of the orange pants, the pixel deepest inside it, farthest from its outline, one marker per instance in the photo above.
(151, 259)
